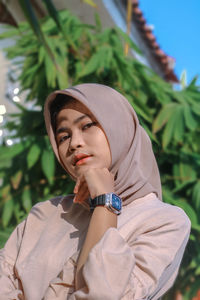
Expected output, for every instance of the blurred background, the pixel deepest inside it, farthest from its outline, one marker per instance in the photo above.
(148, 51)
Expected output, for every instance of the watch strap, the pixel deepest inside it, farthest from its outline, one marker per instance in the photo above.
(97, 201)
(108, 201)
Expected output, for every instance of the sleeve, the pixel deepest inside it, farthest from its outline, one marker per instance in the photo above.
(10, 287)
(144, 267)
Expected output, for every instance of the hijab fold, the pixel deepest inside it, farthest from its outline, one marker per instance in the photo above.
(133, 161)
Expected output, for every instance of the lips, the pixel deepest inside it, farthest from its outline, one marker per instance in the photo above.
(79, 157)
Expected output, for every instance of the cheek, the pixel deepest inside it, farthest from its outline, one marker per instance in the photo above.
(107, 155)
(62, 151)
(102, 146)
(66, 161)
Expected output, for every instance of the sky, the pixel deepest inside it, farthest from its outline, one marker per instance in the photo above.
(177, 30)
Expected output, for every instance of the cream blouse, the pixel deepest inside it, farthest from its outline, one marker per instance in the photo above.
(138, 260)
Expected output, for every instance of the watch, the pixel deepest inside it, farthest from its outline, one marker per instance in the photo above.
(111, 201)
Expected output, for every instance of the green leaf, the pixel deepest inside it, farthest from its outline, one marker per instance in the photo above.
(98, 22)
(33, 21)
(163, 116)
(13, 32)
(190, 121)
(8, 152)
(192, 290)
(197, 271)
(141, 112)
(189, 211)
(193, 82)
(31, 17)
(128, 40)
(196, 195)
(180, 126)
(56, 17)
(62, 74)
(33, 155)
(91, 66)
(18, 212)
(183, 80)
(195, 107)
(187, 172)
(53, 12)
(50, 71)
(16, 179)
(170, 198)
(8, 209)
(26, 199)
(169, 130)
(5, 190)
(41, 55)
(184, 185)
(48, 165)
(4, 235)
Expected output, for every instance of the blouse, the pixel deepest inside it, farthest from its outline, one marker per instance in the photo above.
(137, 260)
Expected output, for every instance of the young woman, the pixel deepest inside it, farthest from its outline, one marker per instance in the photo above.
(113, 238)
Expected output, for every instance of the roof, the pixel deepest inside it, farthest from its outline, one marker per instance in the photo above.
(165, 62)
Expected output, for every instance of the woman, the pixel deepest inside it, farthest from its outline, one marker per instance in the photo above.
(113, 238)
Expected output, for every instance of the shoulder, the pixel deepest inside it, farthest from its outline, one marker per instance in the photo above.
(150, 213)
(47, 208)
(170, 213)
(59, 212)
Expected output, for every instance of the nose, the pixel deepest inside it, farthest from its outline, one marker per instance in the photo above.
(76, 141)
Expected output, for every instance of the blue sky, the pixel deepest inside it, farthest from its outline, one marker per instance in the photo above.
(177, 26)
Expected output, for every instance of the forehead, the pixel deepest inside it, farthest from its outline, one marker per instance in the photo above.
(77, 106)
(73, 108)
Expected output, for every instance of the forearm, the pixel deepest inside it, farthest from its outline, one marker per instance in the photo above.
(102, 219)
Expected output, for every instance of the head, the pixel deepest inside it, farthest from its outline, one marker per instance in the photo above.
(81, 141)
(96, 121)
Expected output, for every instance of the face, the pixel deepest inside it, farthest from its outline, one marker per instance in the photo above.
(81, 142)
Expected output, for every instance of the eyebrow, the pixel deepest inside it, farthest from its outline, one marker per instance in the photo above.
(63, 129)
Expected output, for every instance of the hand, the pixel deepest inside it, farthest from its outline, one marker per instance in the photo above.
(93, 182)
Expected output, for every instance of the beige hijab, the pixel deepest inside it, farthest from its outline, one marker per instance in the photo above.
(133, 161)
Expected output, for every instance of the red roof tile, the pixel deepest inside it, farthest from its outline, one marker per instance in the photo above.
(165, 62)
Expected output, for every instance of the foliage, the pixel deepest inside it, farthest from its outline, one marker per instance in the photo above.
(79, 53)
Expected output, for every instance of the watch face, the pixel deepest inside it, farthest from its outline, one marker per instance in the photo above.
(116, 202)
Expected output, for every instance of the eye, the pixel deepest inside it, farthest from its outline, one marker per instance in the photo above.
(88, 125)
(63, 138)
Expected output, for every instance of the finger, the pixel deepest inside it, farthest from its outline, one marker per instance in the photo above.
(84, 198)
(82, 194)
(77, 185)
(78, 189)
(81, 199)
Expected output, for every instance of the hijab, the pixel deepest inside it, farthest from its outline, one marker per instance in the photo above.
(133, 162)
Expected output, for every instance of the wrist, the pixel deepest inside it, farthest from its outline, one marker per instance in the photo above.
(110, 201)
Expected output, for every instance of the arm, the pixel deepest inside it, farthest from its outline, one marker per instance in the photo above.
(10, 287)
(97, 181)
(101, 221)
